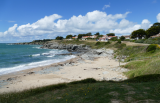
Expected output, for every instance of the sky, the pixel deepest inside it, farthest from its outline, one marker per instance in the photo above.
(28, 20)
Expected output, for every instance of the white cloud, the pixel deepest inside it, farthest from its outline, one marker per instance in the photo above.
(106, 6)
(95, 21)
(158, 17)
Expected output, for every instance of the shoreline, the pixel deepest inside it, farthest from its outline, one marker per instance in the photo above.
(99, 67)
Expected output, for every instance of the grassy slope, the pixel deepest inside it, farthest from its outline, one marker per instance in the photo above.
(138, 89)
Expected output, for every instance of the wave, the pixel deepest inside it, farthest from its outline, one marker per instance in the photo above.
(37, 47)
(33, 65)
(35, 55)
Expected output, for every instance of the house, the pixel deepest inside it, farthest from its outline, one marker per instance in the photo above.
(106, 38)
(85, 37)
(154, 36)
(75, 37)
(127, 36)
(109, 37)
(103, 38)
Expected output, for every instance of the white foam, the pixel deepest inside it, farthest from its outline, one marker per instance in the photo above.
(37, 47)
(33, 65)
(35, 55)
(45, 53)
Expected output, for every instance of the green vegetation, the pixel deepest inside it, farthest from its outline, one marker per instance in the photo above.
(122, 38)
(143, 60)
(111, 34)
(69, 37)
(114, 39)
(137, 89)
(87, 34)
(59, 38)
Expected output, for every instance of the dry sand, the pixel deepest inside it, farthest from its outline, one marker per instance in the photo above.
(97, 69)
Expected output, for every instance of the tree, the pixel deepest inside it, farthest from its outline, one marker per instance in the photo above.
(97, 33)
(110, 34)
(87, 34)
(99, 36)
(59, 38)
(69, 36)
(114, 38)
(138, 33)
(152, 31)
(122, 38)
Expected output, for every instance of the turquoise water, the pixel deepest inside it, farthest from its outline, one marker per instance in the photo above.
(19, 57)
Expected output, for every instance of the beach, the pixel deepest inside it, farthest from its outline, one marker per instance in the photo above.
(100, 66)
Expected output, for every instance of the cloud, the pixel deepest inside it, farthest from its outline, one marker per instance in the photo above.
(95, 21)
(106, 6)
(11, 21)
(158, 17)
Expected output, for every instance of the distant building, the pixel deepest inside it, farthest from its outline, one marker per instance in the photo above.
(127, 36)
(75, 37)
(86, 37)
(109, 37)
(154, 36)
(103, 38)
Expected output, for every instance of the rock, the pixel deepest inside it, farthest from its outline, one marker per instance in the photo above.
(30, 72)
(9, 79)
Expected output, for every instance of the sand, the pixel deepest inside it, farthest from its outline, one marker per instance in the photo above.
(97, 69)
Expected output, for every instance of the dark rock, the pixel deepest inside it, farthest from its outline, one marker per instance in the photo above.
(9, 79)
(30, 73)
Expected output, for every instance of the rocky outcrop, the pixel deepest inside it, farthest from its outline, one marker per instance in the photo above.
(29, 43)
(94, 53)
(69, 47)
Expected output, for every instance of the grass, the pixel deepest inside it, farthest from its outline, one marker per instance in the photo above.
(139, 89)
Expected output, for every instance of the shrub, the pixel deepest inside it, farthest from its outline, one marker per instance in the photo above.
(140, 41)
(122, 38)
(119, 41)
(151, 48)
(98, 43)
(106, 43)
(114, 38)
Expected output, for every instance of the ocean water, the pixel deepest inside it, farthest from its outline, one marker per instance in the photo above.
(20, 57)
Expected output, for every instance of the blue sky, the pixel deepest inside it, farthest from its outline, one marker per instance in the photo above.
(27, 20)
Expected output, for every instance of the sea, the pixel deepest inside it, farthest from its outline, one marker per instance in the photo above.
(15, 58)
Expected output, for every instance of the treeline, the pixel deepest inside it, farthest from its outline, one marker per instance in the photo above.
(153, 30)
(44, 40)
(81, 35)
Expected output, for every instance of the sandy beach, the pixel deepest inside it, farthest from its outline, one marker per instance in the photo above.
(101, 68)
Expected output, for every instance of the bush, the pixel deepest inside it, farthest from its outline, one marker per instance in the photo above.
(151, 48)
(140, 41)
(122, 38)
(119, 41)
(152, 41)
(107, 43)
(132, 40)
(114, 38)
(98, 43)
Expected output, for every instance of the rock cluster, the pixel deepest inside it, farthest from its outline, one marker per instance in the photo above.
(94, 53)
(69, 47)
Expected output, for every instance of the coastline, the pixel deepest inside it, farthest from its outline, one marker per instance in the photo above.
(99, 67)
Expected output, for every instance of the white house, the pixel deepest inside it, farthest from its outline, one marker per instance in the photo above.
(85, 37)
(127, 36)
